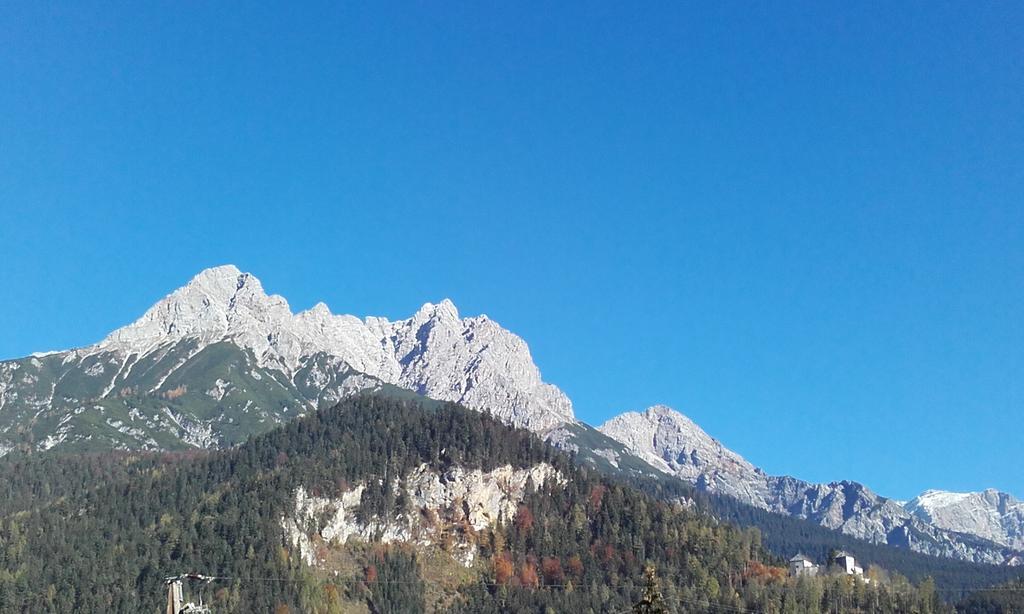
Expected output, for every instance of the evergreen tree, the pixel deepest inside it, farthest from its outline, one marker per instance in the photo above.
(651, 601)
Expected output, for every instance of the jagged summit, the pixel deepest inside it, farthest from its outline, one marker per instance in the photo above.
(434, 352)
(445, 310)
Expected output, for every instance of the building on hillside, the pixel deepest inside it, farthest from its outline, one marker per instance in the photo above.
(801, 565)
(846, 563)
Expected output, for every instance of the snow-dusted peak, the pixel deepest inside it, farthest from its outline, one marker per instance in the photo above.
(938, 499)
(435, 352)
(994, 515)
(990, 514)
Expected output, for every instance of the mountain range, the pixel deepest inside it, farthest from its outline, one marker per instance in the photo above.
(220, 360)
(969, 527)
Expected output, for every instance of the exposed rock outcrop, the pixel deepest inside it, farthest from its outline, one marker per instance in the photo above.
(457, 502)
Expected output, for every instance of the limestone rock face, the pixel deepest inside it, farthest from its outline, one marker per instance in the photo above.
(437, 502)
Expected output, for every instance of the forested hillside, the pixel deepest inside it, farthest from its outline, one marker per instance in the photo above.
(1004, 599)
(100, 533)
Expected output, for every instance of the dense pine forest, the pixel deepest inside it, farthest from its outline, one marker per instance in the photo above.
(101, 532)
(1005, 598)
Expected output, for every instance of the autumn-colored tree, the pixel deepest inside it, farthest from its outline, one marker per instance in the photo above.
(332, 596)
(528, 575)
(764, 573)
(607, 553)
(503, 569)
(551, 567)
(575, 565)
(524, 519)
(596, 495)
(175, 393)
(371, 574)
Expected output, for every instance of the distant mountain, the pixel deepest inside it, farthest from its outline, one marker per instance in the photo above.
(218, 360)
(991, 514)
(675, 445)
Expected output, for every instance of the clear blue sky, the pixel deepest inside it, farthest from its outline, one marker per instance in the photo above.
(800, 224)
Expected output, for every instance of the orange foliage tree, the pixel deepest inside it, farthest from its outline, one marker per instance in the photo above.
(503, 569)
(551, 567)
(524, 519)
(528, 575)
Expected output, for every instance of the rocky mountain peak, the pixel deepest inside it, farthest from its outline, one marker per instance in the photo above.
(672, 419)
(218, 274)
(217, 303)
(674, 443)
(444, 311)
(320, 310)
(434, 352)
(224, 288)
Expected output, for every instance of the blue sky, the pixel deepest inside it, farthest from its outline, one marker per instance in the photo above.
(800, 224)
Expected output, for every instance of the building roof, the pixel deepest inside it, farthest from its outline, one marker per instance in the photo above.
(842, 553)
(800, 557)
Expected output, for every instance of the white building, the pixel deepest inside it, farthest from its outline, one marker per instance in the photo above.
(845, 562)
(801, 565)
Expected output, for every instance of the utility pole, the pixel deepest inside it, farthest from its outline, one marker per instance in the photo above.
(174, 598)
(175, 595)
